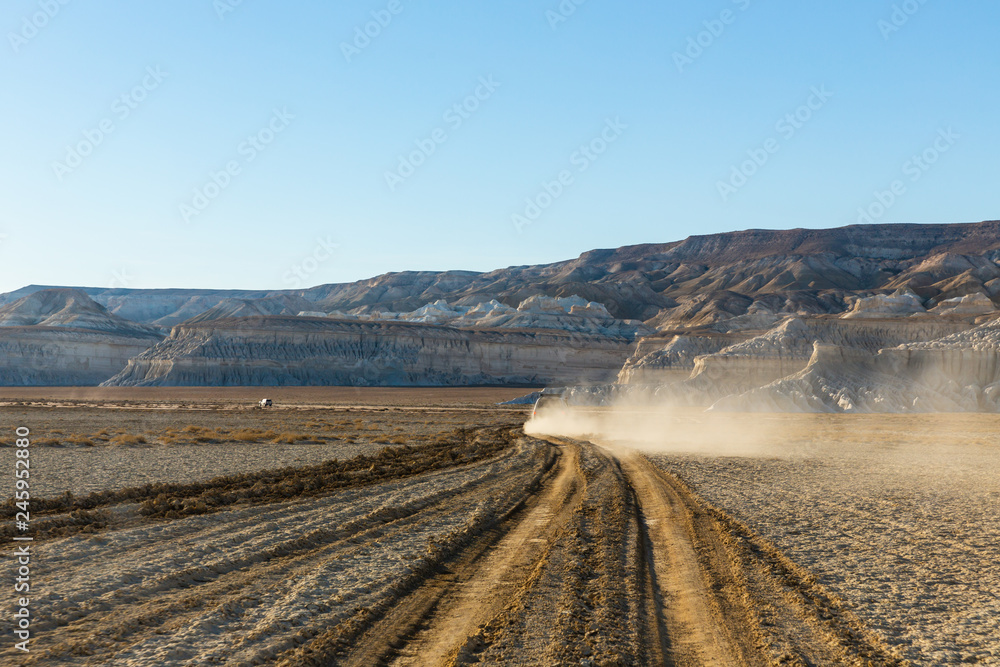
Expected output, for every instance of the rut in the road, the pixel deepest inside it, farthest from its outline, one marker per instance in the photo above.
(543, 553)
(731, 597)
(568, 584)
(627, 567)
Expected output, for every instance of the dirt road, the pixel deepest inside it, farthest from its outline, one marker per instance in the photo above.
(496, 548)
(615, 562)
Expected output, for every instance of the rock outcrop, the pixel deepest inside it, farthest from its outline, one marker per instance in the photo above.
(312, 351)
(539, 312)
(901, 303)
(660, 359)
(69, 308)
(825, 363)
(957, 372)
(722, 364)
(62, 337)
(971, 304)
(282, 304)
(61, 356)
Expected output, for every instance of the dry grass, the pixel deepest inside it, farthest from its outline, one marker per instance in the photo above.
(290, 438)
(127, 440)
(252, 435)
(463, 445)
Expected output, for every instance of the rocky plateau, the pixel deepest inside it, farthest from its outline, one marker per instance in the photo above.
(757, 319)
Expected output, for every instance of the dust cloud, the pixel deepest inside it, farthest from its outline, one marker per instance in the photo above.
(927, 442)
(663, 428)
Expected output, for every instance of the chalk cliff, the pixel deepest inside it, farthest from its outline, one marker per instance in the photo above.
(956, 372)
(62, 337)
(68, 308)
(323, 351)
(61, 356)
(659, 359)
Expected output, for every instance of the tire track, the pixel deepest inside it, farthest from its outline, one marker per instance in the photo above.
(477, 589)
(557, 552)
(697, 632)
(766, 610)
(242, 597)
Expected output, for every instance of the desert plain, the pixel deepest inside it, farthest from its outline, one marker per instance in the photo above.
(357, 526)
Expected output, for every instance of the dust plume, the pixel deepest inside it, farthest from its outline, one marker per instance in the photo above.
(656, 426)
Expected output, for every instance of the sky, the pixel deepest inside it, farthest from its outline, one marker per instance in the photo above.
(261, 145)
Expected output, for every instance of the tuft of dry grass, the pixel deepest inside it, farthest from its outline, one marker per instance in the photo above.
(289, 438)
(127, 440)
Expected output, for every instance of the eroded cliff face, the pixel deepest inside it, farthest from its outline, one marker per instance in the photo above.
(724, 363)
(60, 337)
(299, 351)
(44, 356)
(660, 359)
(956, 372)
(833, 364)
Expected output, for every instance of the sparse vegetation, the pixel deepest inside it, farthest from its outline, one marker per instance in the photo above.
(127, 440)
(458, 447)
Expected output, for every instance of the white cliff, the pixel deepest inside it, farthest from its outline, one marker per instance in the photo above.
(659, 359)
(957, 372)
(762, 368)
(901, 303)
(537, 312)
(970, 304)
(62, 337)
(303, 351)
(36, 356)
(66, 308)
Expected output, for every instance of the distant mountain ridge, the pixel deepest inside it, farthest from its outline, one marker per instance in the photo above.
(700, 280)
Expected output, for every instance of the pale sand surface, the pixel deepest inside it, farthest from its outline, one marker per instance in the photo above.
(193, 434)
(282, 396)
(899, 515)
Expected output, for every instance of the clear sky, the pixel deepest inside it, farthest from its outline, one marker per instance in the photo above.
(265, 145)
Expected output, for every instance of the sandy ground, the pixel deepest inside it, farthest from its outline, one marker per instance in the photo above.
(441, 534)
(237, 397)
(83, 447)
(899, 517)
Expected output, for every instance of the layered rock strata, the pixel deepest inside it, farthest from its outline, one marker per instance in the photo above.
(304, 351)
(58, 356)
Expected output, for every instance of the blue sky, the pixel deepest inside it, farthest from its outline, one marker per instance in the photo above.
(249, 148)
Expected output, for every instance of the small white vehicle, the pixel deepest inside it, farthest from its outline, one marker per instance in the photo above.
(265, 403)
